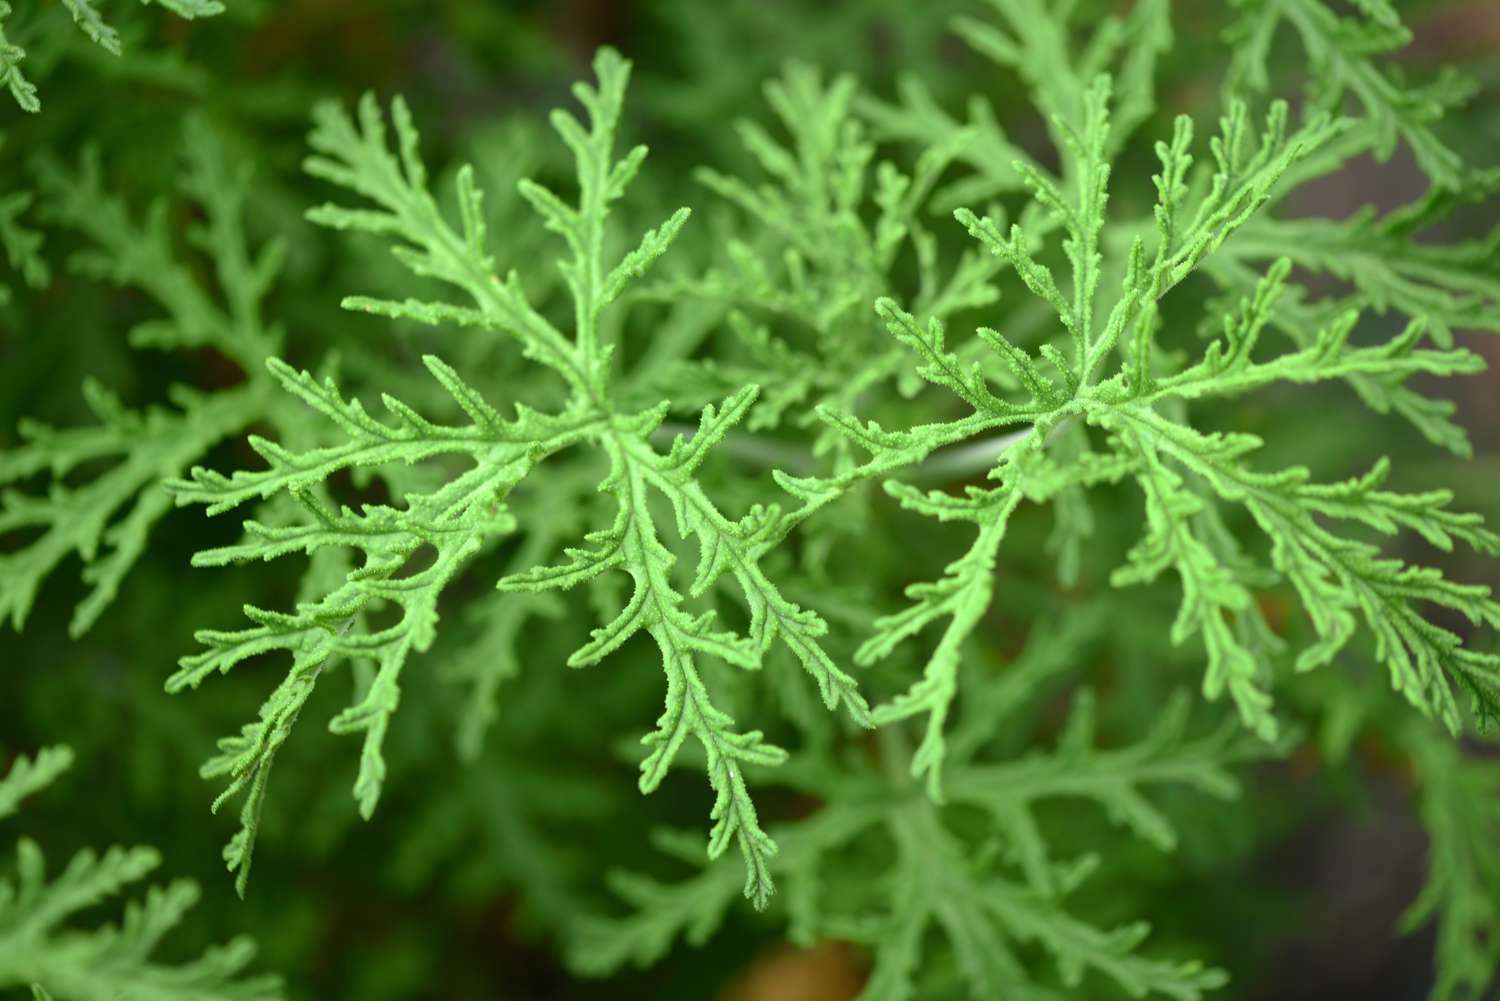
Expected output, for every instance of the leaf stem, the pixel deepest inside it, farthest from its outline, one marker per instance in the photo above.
(957, 462)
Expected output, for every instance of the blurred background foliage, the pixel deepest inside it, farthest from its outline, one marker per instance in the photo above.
(467, 881)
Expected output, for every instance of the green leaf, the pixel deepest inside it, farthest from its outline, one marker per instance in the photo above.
(22, 245)
(464, 512)
(11, 57)
(106, 518)
(42, 946)
(38, 946)
(898, 875)
(29, 775)
(962, 597)
(1457, 804)
(1340, 50)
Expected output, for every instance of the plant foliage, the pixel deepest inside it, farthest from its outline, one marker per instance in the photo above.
(39, 946)
(891, 458)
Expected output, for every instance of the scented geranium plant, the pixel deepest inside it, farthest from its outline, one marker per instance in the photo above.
(957, 514)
